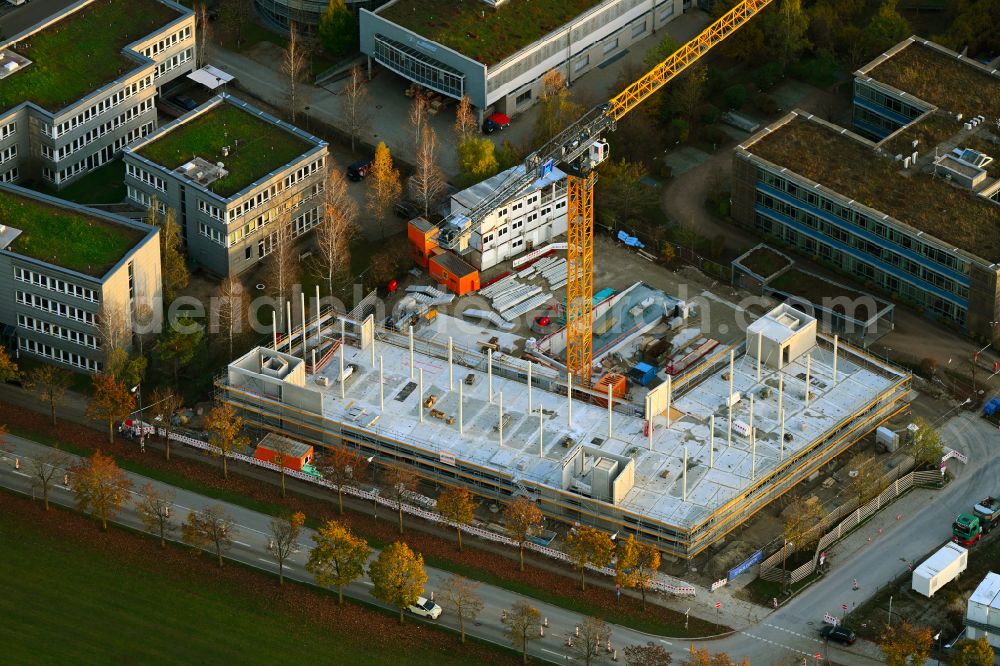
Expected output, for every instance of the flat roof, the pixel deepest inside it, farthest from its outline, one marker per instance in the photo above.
(292, 447)
(471, 196)
(478, 31)
(937, 75)
(65, 235)
(657, 490)
(257, 143)
(81, 52)
(988, 591)
(848, 164)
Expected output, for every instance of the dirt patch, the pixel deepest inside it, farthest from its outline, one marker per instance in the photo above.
(765, 261)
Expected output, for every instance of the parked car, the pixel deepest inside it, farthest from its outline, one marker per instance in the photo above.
(185, 102)
(425, 608)
(359, 169)
(838, 634)
(496, 122)
(407, 210)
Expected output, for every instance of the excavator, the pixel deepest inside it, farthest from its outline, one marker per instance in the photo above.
(578, 150)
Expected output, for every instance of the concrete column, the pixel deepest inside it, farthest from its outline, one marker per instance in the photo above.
(489, 372)
(711, 441)
(314, 360)
(541, 432)
(274, 330)
(732, 370)
(649, 421)
(461, 423)
(759, 340)
(411, 353)
(381, 384)
(569, 399)
(781, 435)
(318, 308)
(501, 418)
(302, 307)
(342, 382)
(781, 391)
(809, 366)
(670, 396)
(684, 476)
(610, 411)
(753, 444)
(421, 389)
(288, 323)
(529, 386)
(451, 367)
(373, 347)
(836, 349)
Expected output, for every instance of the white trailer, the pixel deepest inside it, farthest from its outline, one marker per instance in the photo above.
(940, 569)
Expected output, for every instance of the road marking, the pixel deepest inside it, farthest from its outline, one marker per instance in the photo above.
(242, 544)
(793, 633)
(19, 473)
(774, 643)
(367, 583)
(665, 642)
(271, 562)
(554, 652)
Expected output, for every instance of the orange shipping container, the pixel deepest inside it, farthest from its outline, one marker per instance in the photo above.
(423, 240)
(293, 454)
(450, 270)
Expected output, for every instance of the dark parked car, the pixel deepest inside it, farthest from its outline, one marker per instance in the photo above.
(407, 210)
(359, 170)
(185, 102)
(495, 122)
(838, 634)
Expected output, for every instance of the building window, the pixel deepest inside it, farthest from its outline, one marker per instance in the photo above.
(523, 98)
(581, 62)
(610, 46)
(638, 29)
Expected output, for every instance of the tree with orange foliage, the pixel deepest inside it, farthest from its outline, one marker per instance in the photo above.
(585, 545)
(343, 467)
(398, 576)
(100, 486)
(225, 429)
(457, 505)
(906, 644)
(523, 519)
(338, 558)
(210, 527)
(401, 482)
(384, 186)
(111, 403)
(285, 540)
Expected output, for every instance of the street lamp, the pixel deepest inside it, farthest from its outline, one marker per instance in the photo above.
(371, 466)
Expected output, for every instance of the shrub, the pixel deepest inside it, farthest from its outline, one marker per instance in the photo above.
(766, 104)
(928, 366)
(735, 95)
(767, 75)
(680, 129)
(715, 135)
(710, 114)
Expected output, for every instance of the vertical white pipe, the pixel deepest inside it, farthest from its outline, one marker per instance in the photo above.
(411, 353)
(451, 367)
(489, 373)
(501, 419)
(759, 340)
(569, 398)
(314, 360)
(670, 396)
(781, 391)
(610, 411)
(343, 330)
(288, 324)
(684, 476)
(373, 348)
(541, 432)
(342, 382)
(649, 423)
(381, 385)
(711, 442)
(732, 367)
(317, 319)
(274, 329)
(836, 347)
(421, 389)
(781, 437)
(461, 422)
(753, 444)
(809, 366)
(529, 386)
(302, 307)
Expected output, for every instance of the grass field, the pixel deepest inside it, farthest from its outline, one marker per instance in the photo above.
(83, 243)
(74, 603)
(258, 146)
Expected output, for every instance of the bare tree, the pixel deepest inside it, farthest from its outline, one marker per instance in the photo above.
(283, 268)
(465, 121)
(232, 311)
(162, 405)
(153, 507)
(285, 540)
(293, 65)
(460, 595)
(235, 14)
(401, 483)
(343, 467)
(210, 528)
(428, 181)
(522, 627)
(203, 33)
(334, 235)
(50, 383)
(418, 117)
(594, 635)
(354, 104)
(46, 467)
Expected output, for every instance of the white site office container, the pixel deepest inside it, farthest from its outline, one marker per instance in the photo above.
(940, 569)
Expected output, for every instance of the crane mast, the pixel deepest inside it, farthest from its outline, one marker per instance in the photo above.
(579, 148)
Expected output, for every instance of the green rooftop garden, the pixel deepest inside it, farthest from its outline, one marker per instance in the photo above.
(765, 261)
(84, 243)
(257, 147)
(487, 38)
(81, 53)
(852, 169)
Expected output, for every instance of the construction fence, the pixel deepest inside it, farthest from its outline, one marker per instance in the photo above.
(842, 520)
(659, 584)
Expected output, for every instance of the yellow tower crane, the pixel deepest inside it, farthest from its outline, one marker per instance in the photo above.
(578, 149)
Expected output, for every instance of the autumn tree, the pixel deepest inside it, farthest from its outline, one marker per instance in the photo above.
(283, 267)
(523, 519)
(114, 333)
(460, 596)
(401, 483)
(173, 271)
(338, 29)
(594, 635)
(178, 344)
(465, 120)
(398, 576)
(338, 558)
(509, 155)
(284, 540)
(621, 194)
(163, 403)
(46, 467)
(231, 311)
(905, 644)
(556, 109)
(294, 62)
(50, 383)
(476, 160)
(428, 181)
(337, 230)
(927, 445)
(100, 486)
(636, 565)
(203, 33)
(153, 507)
(354, 104)
(344, 467)
(801, 528)
(790, 39)
(8, 367)
(886, 28)
(457, 505)
(283, 450)
(111, 403)
(651, 654)
(522, 627)
(968, 652)
(702, 657)
(225, 433)
(384, 187)
(210, 528)
(863, 477)
(586, 545)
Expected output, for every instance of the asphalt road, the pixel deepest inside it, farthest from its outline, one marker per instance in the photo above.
(786, 635)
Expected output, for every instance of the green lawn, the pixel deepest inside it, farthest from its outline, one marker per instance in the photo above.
(487, 38)
(72, 603)
(258, 147)
(82, 52)
(72, 240)
(103, 185)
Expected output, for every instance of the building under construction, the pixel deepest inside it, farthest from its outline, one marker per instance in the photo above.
(679, 462)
